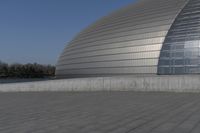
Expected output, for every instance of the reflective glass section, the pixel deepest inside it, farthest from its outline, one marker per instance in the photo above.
(180, 53)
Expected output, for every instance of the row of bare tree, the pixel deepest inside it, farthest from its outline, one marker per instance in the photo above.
(26, 70)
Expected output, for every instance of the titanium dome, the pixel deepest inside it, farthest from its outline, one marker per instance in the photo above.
(148, 37)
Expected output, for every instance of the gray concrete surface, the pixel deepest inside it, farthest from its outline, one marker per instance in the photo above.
(99, 112)
(187, 83)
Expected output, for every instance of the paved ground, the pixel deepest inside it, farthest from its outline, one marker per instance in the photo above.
(99, 112)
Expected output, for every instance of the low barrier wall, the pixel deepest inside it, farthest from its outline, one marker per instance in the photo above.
(135, 83)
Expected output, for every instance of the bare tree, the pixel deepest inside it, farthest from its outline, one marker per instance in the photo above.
(26, 70)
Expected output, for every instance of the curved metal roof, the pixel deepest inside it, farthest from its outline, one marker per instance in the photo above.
(127, 41)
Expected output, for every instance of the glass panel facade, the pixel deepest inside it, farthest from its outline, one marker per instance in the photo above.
(180, 53)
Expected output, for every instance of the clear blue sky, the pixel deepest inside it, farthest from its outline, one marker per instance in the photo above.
(38, 30)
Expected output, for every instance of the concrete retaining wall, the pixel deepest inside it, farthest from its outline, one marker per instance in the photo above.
(136, 83)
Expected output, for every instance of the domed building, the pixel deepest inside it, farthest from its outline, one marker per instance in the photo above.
(155, 37)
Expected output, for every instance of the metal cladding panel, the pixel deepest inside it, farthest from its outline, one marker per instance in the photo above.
(127, 41)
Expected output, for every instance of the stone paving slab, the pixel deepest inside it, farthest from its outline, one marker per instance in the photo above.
(99, 112)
